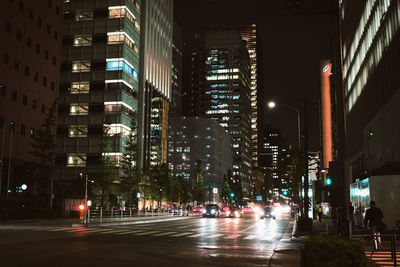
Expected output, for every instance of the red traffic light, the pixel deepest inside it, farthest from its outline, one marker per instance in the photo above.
(81, 207)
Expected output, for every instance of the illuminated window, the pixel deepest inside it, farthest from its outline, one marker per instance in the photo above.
(80, 87)
(112, 107)
(179, 149)
(81, 66)
(83, 15)
(76, 160)
(82, 40)
(78, 131)
(118, 128)
(121, 37)
(187, 149)
(79, 109)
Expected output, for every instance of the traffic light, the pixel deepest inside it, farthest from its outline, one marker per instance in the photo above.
(82, 209)
(285, 192)
(328, 181)
(232, 195)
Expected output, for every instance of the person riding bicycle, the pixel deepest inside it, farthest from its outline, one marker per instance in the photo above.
(374, 217)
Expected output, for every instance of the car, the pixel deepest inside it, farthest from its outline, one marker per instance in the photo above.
(197, 210)
(179, 211)
(211, 210)
(236, 212)
(267, 212)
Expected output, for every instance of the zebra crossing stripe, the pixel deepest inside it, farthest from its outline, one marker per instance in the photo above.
(127, 232)
(250, 237)
(165, 233)
(197, 235)
(99, 230)
(147, 233)
(214, 236)
(113, 231)
(268, 237)
(232, 236)
(182, 234)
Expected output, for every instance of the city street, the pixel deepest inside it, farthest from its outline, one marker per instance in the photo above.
(189, 242)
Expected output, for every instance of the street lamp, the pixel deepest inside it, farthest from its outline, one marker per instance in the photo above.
(272, 104)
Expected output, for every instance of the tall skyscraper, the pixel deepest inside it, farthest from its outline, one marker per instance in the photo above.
(371, 66)
(249, 34)
(221, 91)
(155, 81)
(99, 86)
(29, 79)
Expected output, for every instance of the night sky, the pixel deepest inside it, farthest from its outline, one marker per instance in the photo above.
(293, 46)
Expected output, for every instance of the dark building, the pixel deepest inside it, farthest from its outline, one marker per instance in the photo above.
(177, 71)
(99, 88)
(29, 79)
(269, 147)
(221, 91)
(371, 68)
(193, 139)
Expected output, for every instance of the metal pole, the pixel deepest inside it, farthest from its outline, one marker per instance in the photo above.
(101, 214)
(9, 159)
(86, 207)
(2, 157)
(51, 193)
(305, 148)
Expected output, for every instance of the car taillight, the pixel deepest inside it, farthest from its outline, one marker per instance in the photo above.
(237, 214)
(228, 213)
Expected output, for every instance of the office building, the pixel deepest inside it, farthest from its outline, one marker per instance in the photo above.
(371, 67)
(177, 71)
(29, 79)
(221, 91)
(99, 88)
(155, 81)
(193, 139)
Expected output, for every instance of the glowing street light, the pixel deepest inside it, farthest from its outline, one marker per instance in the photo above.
(271, 104)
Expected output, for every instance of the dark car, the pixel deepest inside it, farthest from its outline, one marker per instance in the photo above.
(267, 212)
(211, 210)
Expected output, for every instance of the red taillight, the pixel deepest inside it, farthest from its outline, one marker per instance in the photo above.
(227, 213)
(237, 214)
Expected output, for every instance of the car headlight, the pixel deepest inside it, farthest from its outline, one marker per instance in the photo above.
(204, 210)
(273, 213)
(212, 211)
(261, 212)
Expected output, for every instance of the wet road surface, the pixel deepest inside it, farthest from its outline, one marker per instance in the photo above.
(191, 242)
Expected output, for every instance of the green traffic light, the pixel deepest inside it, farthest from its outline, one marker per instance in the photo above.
(328, 181)
(285, 193)
(232, 194)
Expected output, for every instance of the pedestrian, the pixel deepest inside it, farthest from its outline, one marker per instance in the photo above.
(373, 219)
(320, 212)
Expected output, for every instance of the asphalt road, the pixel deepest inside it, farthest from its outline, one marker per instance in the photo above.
(189, 242)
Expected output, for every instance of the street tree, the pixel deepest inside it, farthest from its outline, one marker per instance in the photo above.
(43, 150)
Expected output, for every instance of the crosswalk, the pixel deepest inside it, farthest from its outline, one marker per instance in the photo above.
(382, 258)
(143, 232)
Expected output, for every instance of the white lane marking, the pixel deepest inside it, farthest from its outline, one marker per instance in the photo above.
(182, 234)
(214, 236)
(147, 233)
(185, 226)
(232, 236)
(250, 237)
(100, 230)
(197, 235)
(165, 233)
(60, 229)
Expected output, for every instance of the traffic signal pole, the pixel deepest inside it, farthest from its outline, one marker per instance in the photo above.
(86, 202)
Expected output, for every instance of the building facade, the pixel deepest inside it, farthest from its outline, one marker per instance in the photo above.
(193, 139)
(371, 67)
(155, 81)
(270, 146)
(177, 71)
(221, 91)
(99, 87)
(29, 80)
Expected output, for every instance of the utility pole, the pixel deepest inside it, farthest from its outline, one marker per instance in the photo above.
(305, 150)
(86, 202)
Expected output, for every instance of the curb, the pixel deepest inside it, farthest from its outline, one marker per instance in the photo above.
(128, 222)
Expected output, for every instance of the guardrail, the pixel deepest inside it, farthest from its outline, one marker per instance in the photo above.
(122, 214)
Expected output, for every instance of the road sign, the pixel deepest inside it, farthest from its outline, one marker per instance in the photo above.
(259, 198)
(215, 190)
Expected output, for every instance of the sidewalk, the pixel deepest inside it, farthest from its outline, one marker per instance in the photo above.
(288, 250)
(324, 227)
